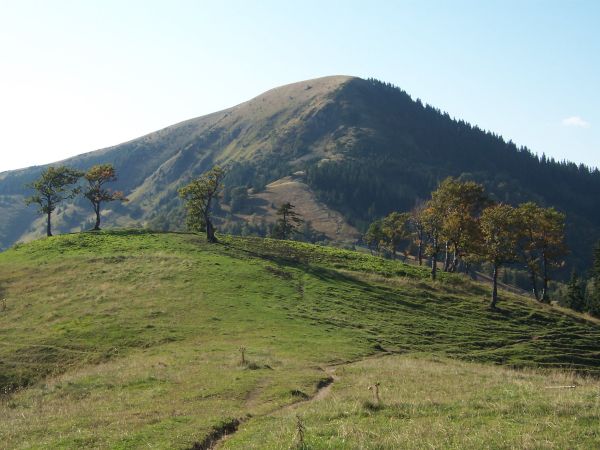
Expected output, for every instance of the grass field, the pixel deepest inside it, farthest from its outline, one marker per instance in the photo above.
(131, 339)
(436, 403)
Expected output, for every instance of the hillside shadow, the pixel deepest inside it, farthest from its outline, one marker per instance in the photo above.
(381, 294)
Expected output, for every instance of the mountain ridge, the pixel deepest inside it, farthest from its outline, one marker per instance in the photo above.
(365, 146)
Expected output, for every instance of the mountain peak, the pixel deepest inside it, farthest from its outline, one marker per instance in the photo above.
(365, 147)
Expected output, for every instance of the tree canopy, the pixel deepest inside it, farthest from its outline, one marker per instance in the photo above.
(288, 221)
(499, 232)
(96, 192)
(55, 185)
(199, 196)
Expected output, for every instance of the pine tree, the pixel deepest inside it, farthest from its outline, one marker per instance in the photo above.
(592, 303)
(287, 223)
(575, 298)
(596, 264)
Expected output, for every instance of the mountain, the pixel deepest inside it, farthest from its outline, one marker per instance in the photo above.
(129, 339)
(347, 149)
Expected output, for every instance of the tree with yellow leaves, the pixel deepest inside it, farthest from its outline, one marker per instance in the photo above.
(500, 233)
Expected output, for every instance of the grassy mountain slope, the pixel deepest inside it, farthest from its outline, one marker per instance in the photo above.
(152, 167)
(129, 339)
(366, 148)
(436, 403)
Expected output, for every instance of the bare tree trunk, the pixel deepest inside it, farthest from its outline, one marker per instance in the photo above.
(210, 231)
(420, 253)
(534, 287)
(97, 210)
(49, 224)
(285, 226)
(434, 261)
(494, 287)
(454, 264)
(446, 259)
(545, 297)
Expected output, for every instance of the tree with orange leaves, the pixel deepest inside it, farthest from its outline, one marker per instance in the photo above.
(97, 193)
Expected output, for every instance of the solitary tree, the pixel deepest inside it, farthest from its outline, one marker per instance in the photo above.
(54, 185)
(97, 177)
(287, 223)
(394, 228)
(499, 231)
(198, 197)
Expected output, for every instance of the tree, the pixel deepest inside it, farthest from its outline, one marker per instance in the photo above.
(374, 236)
(499, 231)
(394, 228)
(575, 296)
(96, 191)
(432, 219)
(198, 197)
(287, 223)
(596, 261)
(460, 203)
(418, 229)
(551, 244)
(527, 244)
(54, 185)
(592, 303)
(541, 243)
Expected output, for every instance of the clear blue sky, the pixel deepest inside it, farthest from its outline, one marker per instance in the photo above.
(80, 75)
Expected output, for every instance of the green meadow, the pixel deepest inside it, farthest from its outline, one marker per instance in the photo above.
(134, 339)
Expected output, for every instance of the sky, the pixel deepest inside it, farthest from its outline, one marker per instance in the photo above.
(77, 76)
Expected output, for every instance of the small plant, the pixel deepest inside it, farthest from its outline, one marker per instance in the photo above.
(375, 389)
(243, 361)
(300, 431)
(3, 305)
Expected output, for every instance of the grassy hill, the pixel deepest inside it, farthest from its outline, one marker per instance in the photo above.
(131, 339)
(365, 148)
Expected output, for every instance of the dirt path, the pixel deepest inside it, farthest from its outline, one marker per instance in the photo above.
(326, 390)
(217, 438)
